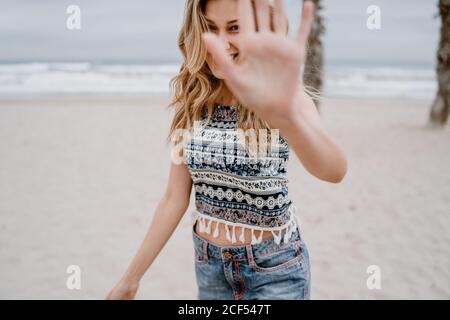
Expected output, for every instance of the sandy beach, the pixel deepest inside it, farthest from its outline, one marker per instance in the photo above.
(80, 177)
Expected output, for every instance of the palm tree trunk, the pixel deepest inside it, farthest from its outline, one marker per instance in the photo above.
(440, 108)
(313, 72)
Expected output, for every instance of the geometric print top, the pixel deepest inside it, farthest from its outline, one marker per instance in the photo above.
(233, 187)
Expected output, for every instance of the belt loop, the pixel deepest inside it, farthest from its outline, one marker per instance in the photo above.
(250, 257)
(205, 250)
(298, 248)
(297, 226)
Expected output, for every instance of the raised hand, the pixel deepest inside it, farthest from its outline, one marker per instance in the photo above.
(266, 78)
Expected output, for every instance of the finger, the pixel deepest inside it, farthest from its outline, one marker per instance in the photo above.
(218, 51)
(262, 15)
(279, 17)
(305, 25)
(247, 20)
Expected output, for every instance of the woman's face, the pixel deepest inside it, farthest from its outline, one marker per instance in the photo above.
(222, 18)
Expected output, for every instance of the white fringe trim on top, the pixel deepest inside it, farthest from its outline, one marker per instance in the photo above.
(206, 220)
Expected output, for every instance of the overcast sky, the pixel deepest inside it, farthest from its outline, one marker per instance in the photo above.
(146, 31)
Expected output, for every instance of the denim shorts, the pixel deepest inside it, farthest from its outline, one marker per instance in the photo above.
(262, 271)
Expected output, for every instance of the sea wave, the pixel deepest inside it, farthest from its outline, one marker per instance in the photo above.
(54, 78)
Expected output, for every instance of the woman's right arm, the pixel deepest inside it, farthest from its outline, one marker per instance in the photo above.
(168, 214)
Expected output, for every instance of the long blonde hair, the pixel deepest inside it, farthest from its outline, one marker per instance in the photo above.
(195, 87)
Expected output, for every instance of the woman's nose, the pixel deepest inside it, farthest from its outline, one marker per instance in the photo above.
(225, 41)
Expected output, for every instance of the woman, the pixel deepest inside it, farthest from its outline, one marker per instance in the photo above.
(241, 73)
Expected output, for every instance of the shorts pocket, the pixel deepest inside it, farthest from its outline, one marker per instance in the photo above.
(277, 260)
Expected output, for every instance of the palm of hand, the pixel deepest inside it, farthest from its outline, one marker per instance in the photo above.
(267, 76)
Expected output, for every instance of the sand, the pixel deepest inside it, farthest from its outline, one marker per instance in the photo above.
(80, 177)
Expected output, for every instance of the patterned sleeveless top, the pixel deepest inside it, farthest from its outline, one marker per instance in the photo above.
(235, 188)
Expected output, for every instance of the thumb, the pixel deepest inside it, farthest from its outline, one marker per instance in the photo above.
(217, 50)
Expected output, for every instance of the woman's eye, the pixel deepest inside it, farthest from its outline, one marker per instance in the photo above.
(234, 28)
(214, 29)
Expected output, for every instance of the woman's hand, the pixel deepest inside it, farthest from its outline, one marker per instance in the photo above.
(124, 290)
(266, 77)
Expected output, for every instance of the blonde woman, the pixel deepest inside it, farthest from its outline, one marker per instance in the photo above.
(241, 74)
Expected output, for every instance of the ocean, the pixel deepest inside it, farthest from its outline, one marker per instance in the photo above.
(52, 78)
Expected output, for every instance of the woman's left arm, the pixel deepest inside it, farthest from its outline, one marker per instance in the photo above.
(315, 149)
(266, 78)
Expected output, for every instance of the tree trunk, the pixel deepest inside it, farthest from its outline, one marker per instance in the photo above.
(314, 61)
(440, 108)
